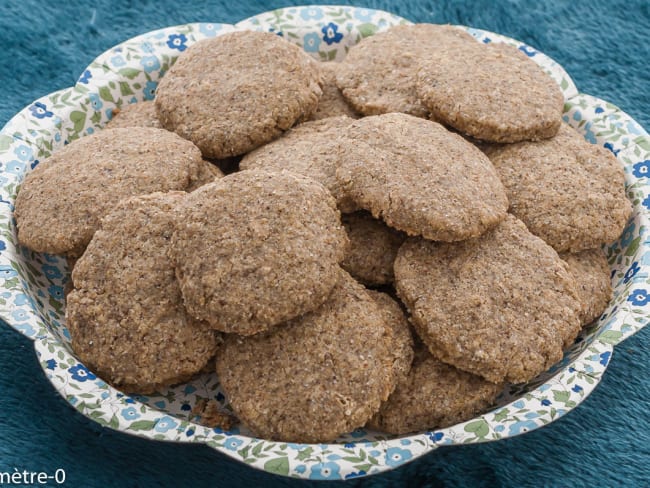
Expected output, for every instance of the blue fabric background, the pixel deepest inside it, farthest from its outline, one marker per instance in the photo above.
(603, 45)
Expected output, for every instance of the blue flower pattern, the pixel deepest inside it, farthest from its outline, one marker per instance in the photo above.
(81, 373)
(165, 423)
(311, 42)
(331, 34)
(150, 63)
(177, 41)
(325, 471)
(639, 297)
(641, 169)
(396, 456)
(40, 111)
(631, 272)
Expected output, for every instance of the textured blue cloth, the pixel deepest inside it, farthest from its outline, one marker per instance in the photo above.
(603, 45)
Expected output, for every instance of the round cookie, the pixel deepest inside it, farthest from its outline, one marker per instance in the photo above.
(141, 114)
(372, 250)
(207, 173)
(316, 377)
(378, 74)
(126, 315)
(502, 306)
(332, 103)
(257, 248)
(81, 182)
(420, 178)
(433, 395)
(308, 149)
(402, 350)
(237, 91)
(492, 92)
(567, 191)
(591, 272)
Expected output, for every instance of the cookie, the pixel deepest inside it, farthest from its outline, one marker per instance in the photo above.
(257, 248)
(567, 191)
(207, 173)
(81, 182)
(126, 315)
(502, 306)
(433, 395)
(235, 92)
(141, 114)
(309, 149)
(591, 272)
(492, 92)
(378, 74)
(315, 377)
(332, 103)
(402, 350)
(372, 250)
(419, 178)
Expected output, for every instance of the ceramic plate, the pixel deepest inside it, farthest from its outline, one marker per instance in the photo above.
(31, 284)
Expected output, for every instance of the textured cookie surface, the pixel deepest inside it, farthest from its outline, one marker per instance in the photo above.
(316, 377)
(256, 248)
(373, 247)
(492, 92)
(81, 182)
(126, 315)
(402, 348)
(309, 149)
(433, 395)
(207, 173)
(567, 191)
(141, 114)
(332, 103)
(378, 74)
(234, 92)
(420, 178)
(592, 275)
(502, 306)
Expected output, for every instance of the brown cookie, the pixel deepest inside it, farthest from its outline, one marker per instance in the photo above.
(141, 114)
(502, 306)
(567, 191)
(332, 103)
(402, 350)
(373, 247)
(378, 74)
(592, 274)
(126, 315)
(315, 377)
(492, 92)
(81, 182)
(235, 92)
(420, 178)
(309, 149)
(207, 173)
(433, 395)
(256, 248)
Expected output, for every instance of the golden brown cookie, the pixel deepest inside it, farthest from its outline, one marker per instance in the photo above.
(315, 377)
(235, 92)
(419, 178)
(433, 395)
(502, 306)
(126, 315)
(492, 92)
(373, 247)
(591, 272)
(309, 149)
(208, 172)
(257, 248)
(567, 191)
(81, 182)
(378, 74)
(141, 114)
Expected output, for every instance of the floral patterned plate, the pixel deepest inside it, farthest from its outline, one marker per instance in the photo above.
(31, 284)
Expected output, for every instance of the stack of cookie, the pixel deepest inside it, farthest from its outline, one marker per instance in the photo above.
(364, 263)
